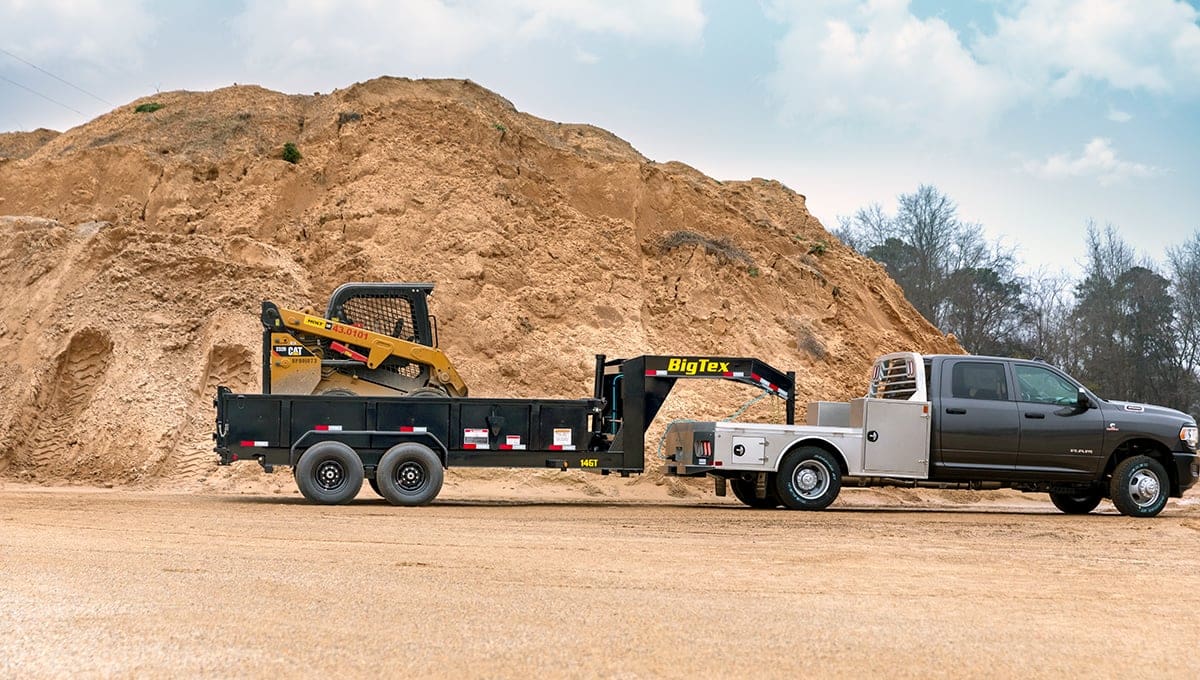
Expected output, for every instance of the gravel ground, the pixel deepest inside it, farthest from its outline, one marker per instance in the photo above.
(118, 583)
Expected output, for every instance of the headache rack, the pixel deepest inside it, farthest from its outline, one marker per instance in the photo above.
(896, 376)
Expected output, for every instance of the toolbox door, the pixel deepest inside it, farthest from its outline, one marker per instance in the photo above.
(748, 451)
(896, 437)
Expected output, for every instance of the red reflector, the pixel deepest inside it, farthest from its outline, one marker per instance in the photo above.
(233, 457)
(321, 428)
(717, 463)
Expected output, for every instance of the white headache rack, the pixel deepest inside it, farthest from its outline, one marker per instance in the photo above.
(899, 376)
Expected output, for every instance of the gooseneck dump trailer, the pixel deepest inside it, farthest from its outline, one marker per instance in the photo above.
(401, 445)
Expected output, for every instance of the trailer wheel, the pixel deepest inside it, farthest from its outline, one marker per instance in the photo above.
(745, 491)
(809, 479)
(329, 473)
(1140, 486)
(409, 474)
(1077, 502)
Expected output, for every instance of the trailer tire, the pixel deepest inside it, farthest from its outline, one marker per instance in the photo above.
(809, 479)
(1140, 487)
(329, 473)
(409, 474)
(1076, 503)
(745, 491)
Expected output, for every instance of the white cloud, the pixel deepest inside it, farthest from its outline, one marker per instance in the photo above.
(1119, 116)
(416, 34)
(584, 57)
(875, 61)
(95, 31)
(1098, 160)
(1060, 45)
(846, 62)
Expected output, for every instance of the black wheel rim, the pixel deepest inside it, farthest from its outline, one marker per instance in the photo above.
(330, 475)
(410, 477)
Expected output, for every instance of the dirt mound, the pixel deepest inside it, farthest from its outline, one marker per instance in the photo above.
(146, 240)
(24, 144)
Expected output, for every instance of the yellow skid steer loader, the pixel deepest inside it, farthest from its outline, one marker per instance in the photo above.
(376, 339)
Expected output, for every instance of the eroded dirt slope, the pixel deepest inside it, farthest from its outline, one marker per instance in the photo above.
(137, 248)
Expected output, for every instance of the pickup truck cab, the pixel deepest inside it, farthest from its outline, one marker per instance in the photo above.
(955, 421)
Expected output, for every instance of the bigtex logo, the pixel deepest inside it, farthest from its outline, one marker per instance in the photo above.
(694, 366)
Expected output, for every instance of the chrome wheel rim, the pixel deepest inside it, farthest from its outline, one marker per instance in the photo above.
(811, 479)
(1145, 488)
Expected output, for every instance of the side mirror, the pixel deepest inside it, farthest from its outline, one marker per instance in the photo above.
(1081, 398)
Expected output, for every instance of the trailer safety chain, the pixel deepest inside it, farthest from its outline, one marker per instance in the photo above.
(736, 414)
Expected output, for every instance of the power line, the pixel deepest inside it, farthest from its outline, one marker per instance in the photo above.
(55, 101)
(61, 80)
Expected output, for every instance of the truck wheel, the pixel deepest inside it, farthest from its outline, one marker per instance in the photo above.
(329, 473)
(744, 490)
(1076, 502)
(409, 474)
(1139, 487)
(809, 479)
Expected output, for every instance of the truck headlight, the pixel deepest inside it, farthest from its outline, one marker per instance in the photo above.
(1190, 434)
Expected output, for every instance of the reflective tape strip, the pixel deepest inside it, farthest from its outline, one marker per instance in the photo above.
(734, 374)
(512, 447)
(410, 428)
(560, 447)
(650, 372)
(254, 444)
(476, 446)
(327, 428)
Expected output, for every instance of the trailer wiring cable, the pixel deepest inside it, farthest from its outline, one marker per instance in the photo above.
(736, 414)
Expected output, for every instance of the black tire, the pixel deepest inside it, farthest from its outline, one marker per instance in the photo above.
(745, 491)
(1076, 502)
(427, 392)
(329, 473)
(1140, 487)
(809, 479)
(409, 474)
(339, 392)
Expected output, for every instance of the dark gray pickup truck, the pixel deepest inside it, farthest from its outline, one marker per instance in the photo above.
(954, 421)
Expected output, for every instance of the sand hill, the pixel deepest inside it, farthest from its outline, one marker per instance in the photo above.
(137, 247)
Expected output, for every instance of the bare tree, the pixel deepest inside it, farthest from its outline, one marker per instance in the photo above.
(949, 271)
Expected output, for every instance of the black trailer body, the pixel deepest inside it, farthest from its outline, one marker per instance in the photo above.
(392, 442)
(276, 429)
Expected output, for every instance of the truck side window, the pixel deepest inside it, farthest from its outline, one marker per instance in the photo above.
(1043, 386)
(979, 380)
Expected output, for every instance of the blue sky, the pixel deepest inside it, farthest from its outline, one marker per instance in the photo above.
(1034, 115)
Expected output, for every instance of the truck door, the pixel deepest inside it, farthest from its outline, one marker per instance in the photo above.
(976, 422)
(1058, 438)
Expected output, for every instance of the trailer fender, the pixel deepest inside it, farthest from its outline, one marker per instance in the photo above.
(819, 442)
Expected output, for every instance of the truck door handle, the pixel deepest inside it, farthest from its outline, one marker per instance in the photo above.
(1036, 416)
(957, 411)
